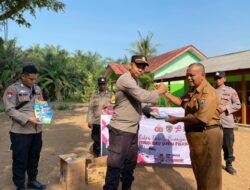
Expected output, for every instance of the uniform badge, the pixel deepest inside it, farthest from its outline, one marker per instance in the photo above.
(202, 103)
(10, 93)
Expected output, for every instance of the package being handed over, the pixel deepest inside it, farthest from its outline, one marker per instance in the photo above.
(43, 111)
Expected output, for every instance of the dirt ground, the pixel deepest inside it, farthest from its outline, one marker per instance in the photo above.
(69, 134)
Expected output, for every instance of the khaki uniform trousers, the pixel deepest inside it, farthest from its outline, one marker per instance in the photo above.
(205, 153)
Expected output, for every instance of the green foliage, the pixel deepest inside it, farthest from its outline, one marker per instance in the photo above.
(147, 81)
(144, 46)
(61, 76)
(11, 60)
(15, 9)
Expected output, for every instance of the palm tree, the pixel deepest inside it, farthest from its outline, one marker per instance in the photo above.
(11, 60)
(144, 46)
(53, 69)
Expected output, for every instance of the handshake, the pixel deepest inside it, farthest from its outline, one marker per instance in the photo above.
(161, 88)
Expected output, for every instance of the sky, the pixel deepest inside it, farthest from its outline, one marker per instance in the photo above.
(108, 27)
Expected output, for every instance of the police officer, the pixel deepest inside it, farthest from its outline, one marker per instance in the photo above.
(98, 102)
(229, 103)
(202, 128)
(124, 124)
(26, 132)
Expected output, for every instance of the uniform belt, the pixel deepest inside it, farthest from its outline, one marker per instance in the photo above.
(200, 128)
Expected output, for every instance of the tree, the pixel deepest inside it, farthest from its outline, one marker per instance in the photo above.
(144, 46)
(53, 69)
(15, 9)
(11, 59)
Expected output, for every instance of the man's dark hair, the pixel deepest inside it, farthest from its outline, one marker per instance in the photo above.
(29, 69)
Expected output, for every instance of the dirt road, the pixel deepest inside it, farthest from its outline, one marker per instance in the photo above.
(69, 134)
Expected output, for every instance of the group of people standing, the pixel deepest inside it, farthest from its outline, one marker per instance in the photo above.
(208, 125)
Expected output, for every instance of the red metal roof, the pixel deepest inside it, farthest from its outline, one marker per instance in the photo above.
(157, 62)
(118, 69)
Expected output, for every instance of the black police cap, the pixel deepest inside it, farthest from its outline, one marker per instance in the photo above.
(102, 80)
(219, 74)
(139, 59)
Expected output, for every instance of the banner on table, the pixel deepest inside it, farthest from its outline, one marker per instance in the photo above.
(158, 141)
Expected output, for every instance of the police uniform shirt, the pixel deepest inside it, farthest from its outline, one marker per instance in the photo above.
(15, 95)
(127, 109)
(202, 104)
(95, 106)
(228, 99)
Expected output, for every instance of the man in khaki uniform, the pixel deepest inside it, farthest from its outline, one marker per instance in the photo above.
(124, 124)
(229, 103)
(26, 131)
(202, 128)
(98, 101)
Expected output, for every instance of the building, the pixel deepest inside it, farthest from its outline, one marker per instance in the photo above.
(162, 65)
(237, 68)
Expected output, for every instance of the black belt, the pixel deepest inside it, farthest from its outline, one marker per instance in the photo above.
(199, 128)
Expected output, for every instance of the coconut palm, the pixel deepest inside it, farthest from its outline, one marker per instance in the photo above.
(144, 46)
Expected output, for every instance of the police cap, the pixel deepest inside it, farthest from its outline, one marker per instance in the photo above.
(139, 59)
(102, 80)
(219, 74)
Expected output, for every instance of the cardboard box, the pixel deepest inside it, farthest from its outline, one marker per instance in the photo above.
(96, 170)
(73, 171)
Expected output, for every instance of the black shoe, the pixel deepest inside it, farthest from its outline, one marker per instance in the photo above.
(36, 185)
(230, 169)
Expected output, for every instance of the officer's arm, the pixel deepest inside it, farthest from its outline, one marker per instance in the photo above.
(176, 100)
(10, 103)
(236, 105)
(189, 119)
(133, 90)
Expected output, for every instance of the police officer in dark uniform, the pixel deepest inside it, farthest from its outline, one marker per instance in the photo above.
(124, 124)
(99, 101)
(26, 131)
(229, 103)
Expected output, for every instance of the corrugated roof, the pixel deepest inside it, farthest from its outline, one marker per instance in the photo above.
(119, 69)
(227, 62)
(157, 62)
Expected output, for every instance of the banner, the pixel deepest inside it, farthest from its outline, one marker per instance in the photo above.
(158, 141)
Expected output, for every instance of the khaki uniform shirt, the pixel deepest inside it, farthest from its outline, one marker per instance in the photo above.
(95, 105)
(228, 99)
(13, 96)
(127, 109)
(202, 104)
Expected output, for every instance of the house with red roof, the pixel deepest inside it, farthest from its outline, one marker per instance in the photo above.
(163, 64)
